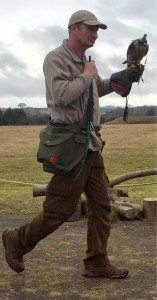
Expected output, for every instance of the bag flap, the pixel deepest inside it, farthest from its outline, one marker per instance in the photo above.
(50, 139)
(80, 138)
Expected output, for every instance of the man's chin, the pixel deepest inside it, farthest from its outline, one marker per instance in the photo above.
(91, 44)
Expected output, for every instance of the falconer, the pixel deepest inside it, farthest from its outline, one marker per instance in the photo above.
(68, 77)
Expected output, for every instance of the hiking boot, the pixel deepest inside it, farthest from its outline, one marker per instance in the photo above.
(104, 270)
(13, 252)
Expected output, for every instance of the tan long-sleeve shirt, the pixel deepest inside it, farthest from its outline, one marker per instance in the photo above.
(67, 89)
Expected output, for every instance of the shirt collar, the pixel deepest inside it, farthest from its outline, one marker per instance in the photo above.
(71, 52)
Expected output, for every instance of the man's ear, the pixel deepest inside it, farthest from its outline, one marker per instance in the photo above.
(72, 27)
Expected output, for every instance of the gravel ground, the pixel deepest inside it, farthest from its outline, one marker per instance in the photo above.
(54, 268)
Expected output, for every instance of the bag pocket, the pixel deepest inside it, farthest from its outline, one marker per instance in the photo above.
(60, 152)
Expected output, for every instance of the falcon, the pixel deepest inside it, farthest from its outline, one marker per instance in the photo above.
(136, 51)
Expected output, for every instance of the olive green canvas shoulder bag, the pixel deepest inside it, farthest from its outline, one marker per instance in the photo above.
(61, 147)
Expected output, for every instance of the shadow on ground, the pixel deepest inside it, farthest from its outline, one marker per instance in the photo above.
(54, 268)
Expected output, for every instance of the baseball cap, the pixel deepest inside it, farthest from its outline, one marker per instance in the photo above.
(85, 17)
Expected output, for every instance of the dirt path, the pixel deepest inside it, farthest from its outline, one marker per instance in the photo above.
(54, 268)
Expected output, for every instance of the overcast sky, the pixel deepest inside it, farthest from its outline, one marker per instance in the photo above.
(31, 28)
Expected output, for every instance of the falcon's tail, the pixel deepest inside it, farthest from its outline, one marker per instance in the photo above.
(124, 62)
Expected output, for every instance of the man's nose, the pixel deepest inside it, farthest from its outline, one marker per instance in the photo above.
(95, 34)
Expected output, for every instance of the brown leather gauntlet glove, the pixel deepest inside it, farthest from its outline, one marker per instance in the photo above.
(121, 82)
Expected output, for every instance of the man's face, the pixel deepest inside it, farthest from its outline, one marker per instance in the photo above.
(86, 35)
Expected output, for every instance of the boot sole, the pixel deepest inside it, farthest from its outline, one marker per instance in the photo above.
(91, 274)
(4, 240)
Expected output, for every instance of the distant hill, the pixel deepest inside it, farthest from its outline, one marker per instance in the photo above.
(112, 114)
(135, 120)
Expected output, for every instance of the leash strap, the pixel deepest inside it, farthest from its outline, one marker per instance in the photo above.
(89, 119)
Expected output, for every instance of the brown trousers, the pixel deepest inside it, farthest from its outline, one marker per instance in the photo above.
(62, 197)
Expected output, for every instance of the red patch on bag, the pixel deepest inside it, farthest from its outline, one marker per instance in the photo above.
(52, 159)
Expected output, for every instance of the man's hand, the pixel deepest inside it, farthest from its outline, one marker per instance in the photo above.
(90, 69)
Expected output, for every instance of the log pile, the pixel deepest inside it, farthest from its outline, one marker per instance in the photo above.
(129, 211)
(126, 210)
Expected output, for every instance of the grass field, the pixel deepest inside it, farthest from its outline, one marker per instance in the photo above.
(129, 147)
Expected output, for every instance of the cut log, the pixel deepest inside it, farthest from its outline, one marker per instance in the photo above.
(114, 214)
(83, 205)
(39, 190)
(116, 193)
(128, 176)
(127, 212)
(150, 209)
(77, 214)
(129, 204)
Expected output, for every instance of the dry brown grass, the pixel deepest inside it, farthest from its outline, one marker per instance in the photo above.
(129, 147)
(130, 136)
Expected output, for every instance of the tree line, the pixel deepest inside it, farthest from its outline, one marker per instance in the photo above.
(18, 116)
(36, 116)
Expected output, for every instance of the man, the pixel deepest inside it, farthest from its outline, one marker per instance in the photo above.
(68, 76)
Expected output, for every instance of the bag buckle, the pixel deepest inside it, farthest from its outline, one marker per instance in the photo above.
(83, 131)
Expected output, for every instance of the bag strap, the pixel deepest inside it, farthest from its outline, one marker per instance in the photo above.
(90, 104)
